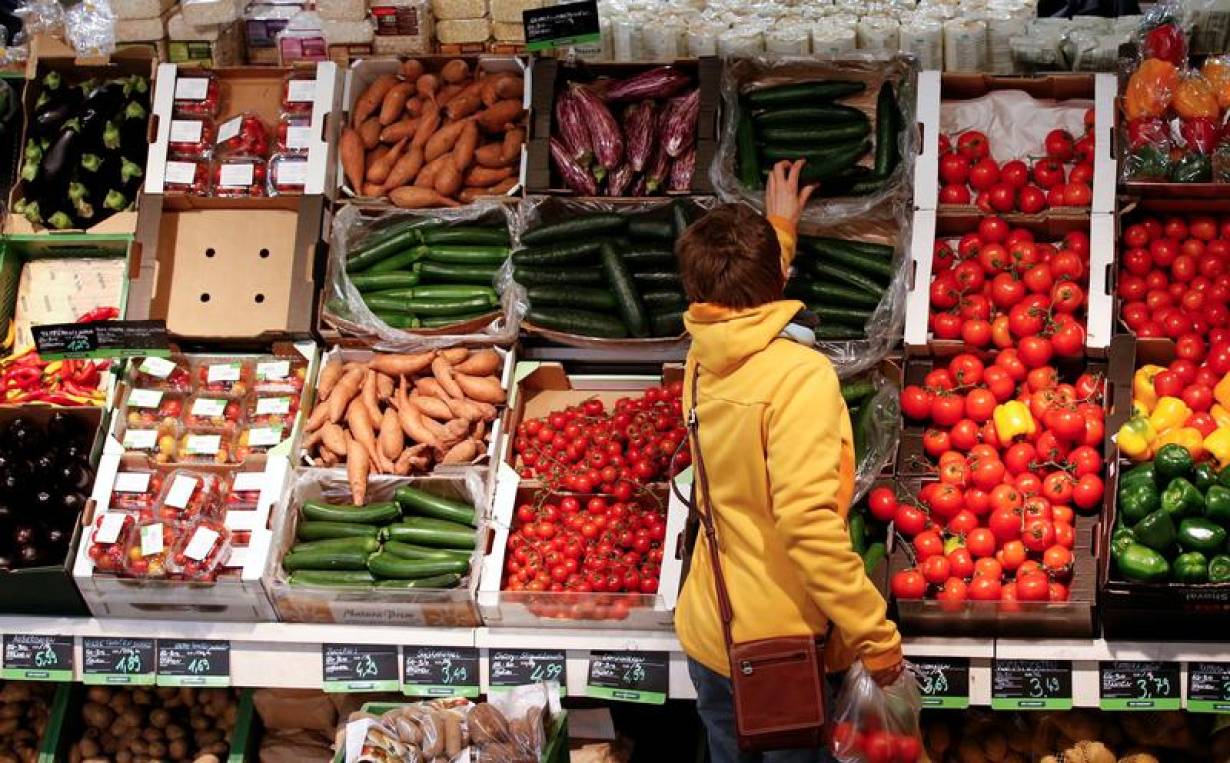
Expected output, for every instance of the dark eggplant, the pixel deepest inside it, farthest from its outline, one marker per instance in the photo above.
(46, 467)
(64, 429)
(72, 503)
(24, 534)
(74, 451)
(134, 138)
(7, 514)
(54, 535)
(44, 501)
(31, 555)
(61, 159)
(101, 104)
(73, 477)
(23, 437)
(49, 119)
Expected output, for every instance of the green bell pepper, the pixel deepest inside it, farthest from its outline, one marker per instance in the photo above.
(1193, 168)
(1217, 504)
(1191, 567)
(1200, 534)
(1172, 460)
(1182, 499)
(1155, 531)
(1224, 477)
(1137, 500)
(1219, 569)
(1142, 564)
(1149, 163)
(1145, 471)
(1121, 539)
(1204, 476)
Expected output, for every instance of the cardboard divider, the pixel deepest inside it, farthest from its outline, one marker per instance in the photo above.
(927, 165)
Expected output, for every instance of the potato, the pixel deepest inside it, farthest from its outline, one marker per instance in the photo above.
(159, 718)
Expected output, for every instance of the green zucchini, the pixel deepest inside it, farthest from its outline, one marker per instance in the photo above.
(883, 251)
(422, 503)
(667, 323)
(438, 533)
(810, 153)
(400, 279)
(325, 560)
(803, 93)
(820, 113)
(360, 578)
(466, 234)
(384, 565)
(431, 583)
(660, 300)
(320, 530)
(887, 152)
(371, 514)
(864, 263)
(871, 184)
(651, 259)
(849, 316)
(842, 296)
(399, 261)
(859, 280)
(580, 322)
(630, 307)
(411, 551)
(338, 544)
(584, 297)
(462, 254)
(441, 321)
(380, 247)
(453, 291)
(531, 276)
(450, 273)
(854, 392)
(398, 320)
(661, 230)
(387, 305)
(657, 279)
(446, 306)
(824, 135)
(745, 142)
(588, 227)
(557, 254)
(837, 331)
(861, 431)
(830, 164)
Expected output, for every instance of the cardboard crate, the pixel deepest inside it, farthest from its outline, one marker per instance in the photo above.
(936, 89)
(550, 76)
(929, 226)
(454, 607)
(13, 120)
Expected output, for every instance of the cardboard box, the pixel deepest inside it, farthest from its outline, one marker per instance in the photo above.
(455, 607)
(549, 76)
(928, 227)
(227, 50)
(13, 120)
(935, 89)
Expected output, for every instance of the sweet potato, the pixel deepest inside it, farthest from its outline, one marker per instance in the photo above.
(398, 130)
(350, 148)
(371, 98)
(446, 94)
(329, 374)
(380, 171)
(412, 422)
(401, 364)
(485, 389)
(455, 71)
(410, 197)
(412, 69)
(452, 432)
(319, 417)
(394, 102)
(373, 190)
(443, 371)
(463, 149)
(462, 105)
(488, 410)
(328, 459)
(373, 156)
(414, 106)
(426, 86)
(502, 187)
(455, 355)
(370, 397)
(427, 178)
(482, 177)
(491, 156)
(510, 150)
(369, 131)
(357, 468)
(392, 439)
(509, 86)
(431, 406)
(491, 85)
(384, 386)
(347, 387)
(333, 437)
(429, 386)
(444, 138)
(462, 453)
(500, 116)
(461, 408)
(404, 171)
(361, 427)
(480, 363)
(447, 178)
(429, 122)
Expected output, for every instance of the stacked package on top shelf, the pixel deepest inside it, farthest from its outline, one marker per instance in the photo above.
(263, 22)
(507, 27)
(142, 21)
(462, 26)
(208, 44)
(403, 27)
(345, 24)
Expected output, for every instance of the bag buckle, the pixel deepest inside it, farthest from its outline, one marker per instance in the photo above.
(745, 667)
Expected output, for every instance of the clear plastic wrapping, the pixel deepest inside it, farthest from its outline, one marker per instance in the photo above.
(883, 432)
(89, 26)
(868, 718)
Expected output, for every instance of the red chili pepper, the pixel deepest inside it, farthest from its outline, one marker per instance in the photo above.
(100, 314)
(24, 377)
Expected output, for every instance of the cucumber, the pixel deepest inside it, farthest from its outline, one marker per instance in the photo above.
(871, 184)
(745, 143)
(875, 554)
(461, 254)
(803, 93)
(883, 251)
(887, 152)
(557, 254)
(437, 533)
(399, 261)
(854, 392)
(841, 296)
(380, 247)
(333, 578)
(658, 279)
(531, 276)
(454, 306)
(864, 263)
(325, 560)
(643, 257)
(309, 530)
(661, 230)
(466, 234)
(837, 331)
(824, 135)
(338, 544)
(830, 164)
(631, 309)
(371, 514)
(667, 323)
(588, 227)
(858, 280)
(384, 565)
(580, 322)
(777, 152)
(584, 297)
(440, 321)
(398, 320)
(862, 429)
(432, 582)
(450, 273)
(820, 113)
(398, 279)
(421, 503)
(660, 300)
(848, 316)
(411, 551)
(387, 305)
(453, 291)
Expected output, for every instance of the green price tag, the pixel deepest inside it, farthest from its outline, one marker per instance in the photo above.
(1208, 687)
(944, 682)
(1031, 685)
(1139, 686)
(439, 671)
(117, 661)
(629, 676)
(194, 663)
(38, 658)
(359, 667)
(518, 667)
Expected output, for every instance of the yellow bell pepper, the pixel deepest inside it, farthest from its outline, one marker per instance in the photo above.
(1188, 437)
(1170, 412)
(1142, 386)
(1221, 393)
(1135, 438)
(1218, 445)
(1221, 416)
(1013, 419)
(1139, 409)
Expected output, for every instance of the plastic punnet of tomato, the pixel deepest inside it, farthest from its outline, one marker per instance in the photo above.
(186, 175)
(188, 494)
(294, 135)
(207, 446)
(259, 438)
(158, 441)
(109, 540)
(239, 177)
(299, 93)
(199, 550)
(192, 137)
(152, 407)
(197, 94)
(280, 373)
(208, 410)
(135, 489)
(162, 373)
(231, 377)
(272, 409)
(243, 135)
(147, 549)
(287, 174)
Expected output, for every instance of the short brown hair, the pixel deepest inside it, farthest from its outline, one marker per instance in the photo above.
(731, 257)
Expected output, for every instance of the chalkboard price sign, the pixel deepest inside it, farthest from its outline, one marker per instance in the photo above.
(194, 663)
(38, 658)
(1208, 687)
(517, 667)
(117, 661)
(561, 25)
(1139, 686)
(629, 676)
(943, 682)
(439, 671)
(359, 667)
(1031, 685)
(102, 339)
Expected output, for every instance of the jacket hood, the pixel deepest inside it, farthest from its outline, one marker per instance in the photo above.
(722, 338)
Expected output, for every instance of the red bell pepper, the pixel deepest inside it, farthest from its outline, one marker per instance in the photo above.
(1200, 134)
(1167, 42)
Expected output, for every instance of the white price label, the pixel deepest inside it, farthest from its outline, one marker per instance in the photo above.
(273, 406)
(242, 520)
(298, 137)
(151, 539)
(235, 175)
(131, 482)
(181, 491)
(248, 482)
(299, 90)
(159, 368)
(145, 398)
(186, 130)
(272, 370)
(229, 129)
(141, 439)
(208, 407)
(291, 172)
(191, 89)
(203, 444)
(202, 542)
(181, 173)
(109, 527)
(223, 372)
(263, 437)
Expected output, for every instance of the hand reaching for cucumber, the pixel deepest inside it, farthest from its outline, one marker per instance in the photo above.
(782, 196)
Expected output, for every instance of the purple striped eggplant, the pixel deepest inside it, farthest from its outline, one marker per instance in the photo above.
(576, 176)
(678, 124)
(682, 169)
(638, 187)
(619, 180)
(660, 82)
(605, 138)
(570, 127)
(658, 170)
(640, 121)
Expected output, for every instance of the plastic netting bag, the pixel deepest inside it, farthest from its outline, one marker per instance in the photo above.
(874, 69)
(346, 310)
(877, 426)
(874, 723)
(41, 17)
(89, 26)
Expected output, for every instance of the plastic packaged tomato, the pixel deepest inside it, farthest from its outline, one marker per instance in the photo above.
(272, 409)
(294, 135)
(199, 549)
(135, 490)
(192, 137)
(243, 135)
(239, 177)
(149, 545)
(874, 723)
(213, 411)
(197, 93)
(243, 491)
(186, 175)
(162, 373)
(144, 407)
(109, 540)
(231, 377)
(287, 174)
(207, 446)
(186, 494)
(259, 439)
(157, 442)
(280, 373)
(299, 92)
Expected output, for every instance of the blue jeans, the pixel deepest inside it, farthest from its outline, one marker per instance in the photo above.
(715, 704)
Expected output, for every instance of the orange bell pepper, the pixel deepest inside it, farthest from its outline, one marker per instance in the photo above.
(1194, 97)
(1150, 89)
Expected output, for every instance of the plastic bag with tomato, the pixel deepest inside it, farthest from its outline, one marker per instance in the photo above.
(874, 724)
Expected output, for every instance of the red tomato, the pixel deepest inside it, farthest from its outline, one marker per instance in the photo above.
(984, 174)
(1057, 561)
(1060, 145)
(1088, 492)
(1033, 587)
(964, 435)
(1005, 524)
(909, 520)
(1019, 458)
(1077, 195)
(1048, 173)
(1084, 460)
(947, 409)
(1198, 397)
(1035, 351)
(935, 569)
(1031, 200)
(1069, 340)
(1167, 384)
(1135, 236)
(1002, 197)
(1014, 173)
(1038, 535)
(976, 332)
(916, 402)
(986, 473)
(981, 542)
(985, 588)
(954, 169)
(953, 594)
(1081, 173)
(960, 560)
(988, 567)
(882, 503)
(973, 144)
(1011, 555)
(928, 544)
(908, 584)
(954, 194)
(908, 749)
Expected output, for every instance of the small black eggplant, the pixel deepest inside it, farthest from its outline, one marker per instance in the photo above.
(73, 477)
(64, 428)
(72, 503)
(61, 159)
(31, 555)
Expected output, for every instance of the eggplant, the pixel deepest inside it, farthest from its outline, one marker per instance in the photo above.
(136, 87)
(60, 161)
(54, 535)
(22, 437)
(7, 514)
(101, 105)
(24, 534)
(64, 429)
(111, 136)
(44, 501)
(30, 554)
(134, 140)
(72, 503)
(73, 477)
(46, 467)
(49, 119)
(52, 81)
(73, 452)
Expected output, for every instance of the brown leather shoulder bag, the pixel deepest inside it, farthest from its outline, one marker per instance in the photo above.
(777, 683)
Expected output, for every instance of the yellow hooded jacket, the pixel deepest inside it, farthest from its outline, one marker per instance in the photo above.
(779, 452)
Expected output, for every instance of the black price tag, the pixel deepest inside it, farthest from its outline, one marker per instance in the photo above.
(629, 676)
(439, 671)
(1208, 687)
(102, 339)
(1139, 686)
(359, 667)
(38, 658)
(1031, 685)
(517, 667)
(194, 663)
(109, 661)
(572, 23)
(944, 682)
